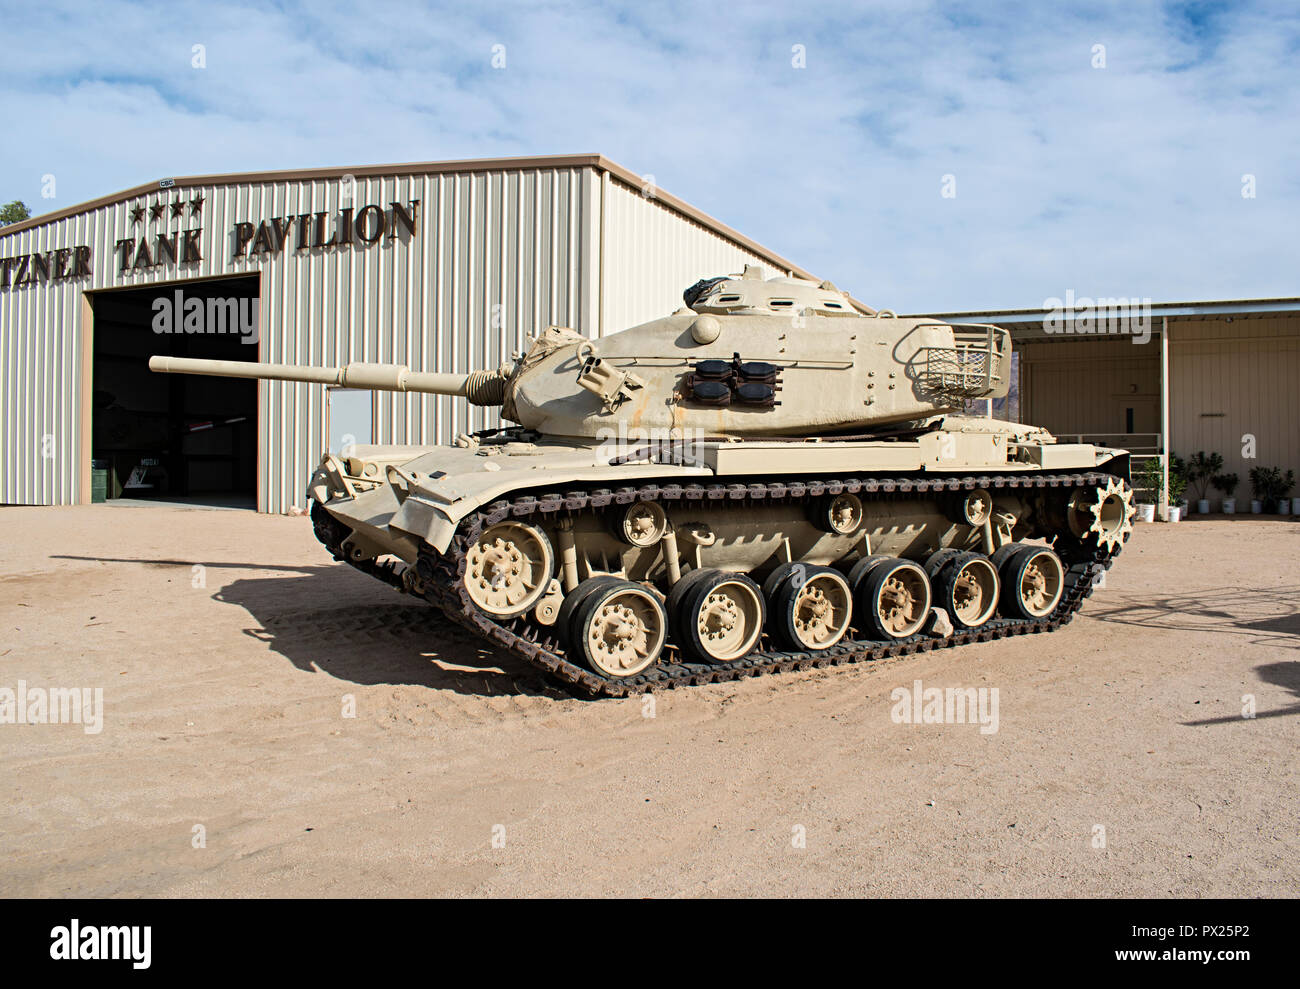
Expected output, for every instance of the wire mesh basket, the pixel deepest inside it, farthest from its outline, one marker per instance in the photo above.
(973, 368)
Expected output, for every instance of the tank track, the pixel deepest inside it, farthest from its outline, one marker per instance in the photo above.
(441, 576)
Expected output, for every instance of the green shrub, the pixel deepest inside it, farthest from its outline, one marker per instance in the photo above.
(1269, 485)
(1227, 483)
(1201, 470)
(1177, 483)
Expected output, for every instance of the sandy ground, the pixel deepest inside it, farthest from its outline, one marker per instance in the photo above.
(463, 773)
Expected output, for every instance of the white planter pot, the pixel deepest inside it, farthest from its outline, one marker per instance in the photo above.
(1229, 506)
(1284, 506)
(1203, 506)
(1146, 513)
(1175, 513)
(1256, 507)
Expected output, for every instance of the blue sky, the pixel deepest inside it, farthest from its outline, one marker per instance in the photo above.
(1122, 180)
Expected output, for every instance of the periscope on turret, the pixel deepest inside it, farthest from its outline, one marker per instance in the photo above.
(772, 474)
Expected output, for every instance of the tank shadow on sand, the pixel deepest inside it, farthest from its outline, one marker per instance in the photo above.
(369, 641)
(1263, 617)
(331, 619)
(1285, 675)
(1266, 617)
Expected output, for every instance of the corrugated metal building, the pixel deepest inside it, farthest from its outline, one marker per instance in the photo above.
(1220, 376)
(443, 266)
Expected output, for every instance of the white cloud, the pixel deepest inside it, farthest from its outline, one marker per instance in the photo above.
(1117, 181)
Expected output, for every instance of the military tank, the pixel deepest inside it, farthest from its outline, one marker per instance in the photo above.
(772, 477)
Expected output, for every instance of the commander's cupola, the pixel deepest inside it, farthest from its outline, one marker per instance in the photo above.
(750, 294)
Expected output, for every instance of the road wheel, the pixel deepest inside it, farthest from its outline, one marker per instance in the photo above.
(893, 602)
(677, 593)
(1033, 579)
(721, 617)
(772, 583)
(858, 572)
(968, 589)
(572, 601)
(812, 613)
(620, 629)
(937, 560)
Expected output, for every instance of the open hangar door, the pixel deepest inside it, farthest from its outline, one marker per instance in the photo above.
(175, 437)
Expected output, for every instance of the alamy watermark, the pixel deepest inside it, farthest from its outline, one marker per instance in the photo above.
(1082, 315)
(53, 706)
(922, 705)
(91, 942)
(656, 445)
(195, 314)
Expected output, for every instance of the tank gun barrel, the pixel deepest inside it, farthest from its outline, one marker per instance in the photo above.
(480, 387)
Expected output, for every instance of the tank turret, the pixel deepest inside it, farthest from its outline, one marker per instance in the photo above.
(774, 475)
(750, 357)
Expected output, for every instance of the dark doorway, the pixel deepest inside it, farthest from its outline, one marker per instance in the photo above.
(176, 436)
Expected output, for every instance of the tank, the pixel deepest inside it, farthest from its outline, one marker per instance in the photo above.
(772, 477)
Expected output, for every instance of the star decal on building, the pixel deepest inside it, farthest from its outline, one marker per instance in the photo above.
(137, 214)
(196, 205)
(178, 208)
(156, 211)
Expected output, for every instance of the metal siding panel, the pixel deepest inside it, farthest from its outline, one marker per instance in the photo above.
(652, 253)
(1248, 370)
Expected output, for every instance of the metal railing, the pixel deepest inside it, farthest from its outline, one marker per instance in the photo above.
(1136, 443)
(1139, 444)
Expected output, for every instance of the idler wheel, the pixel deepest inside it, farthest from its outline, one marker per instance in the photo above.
(720, 617)
(1033, 579)
(620, 628)
(811, 610)
(893, 600)
(968, 589)
(507, 570)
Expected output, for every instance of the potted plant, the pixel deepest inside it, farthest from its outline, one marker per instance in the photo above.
(1270, 487)
(1148, 480)
(1258, 482)
(1201, 469)
(1177, 484)
(1178, 468)
(1227, 483)
(1284, 501)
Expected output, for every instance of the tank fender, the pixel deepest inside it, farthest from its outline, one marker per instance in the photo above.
(432, 512)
